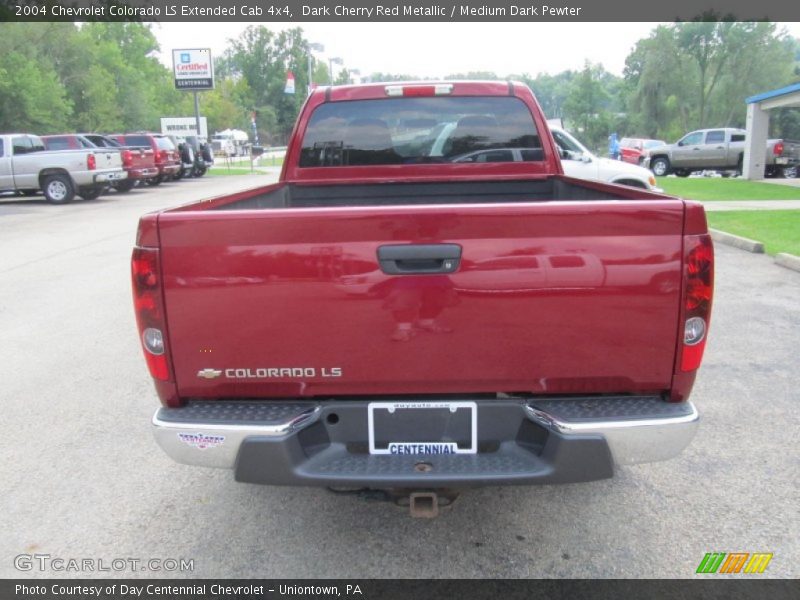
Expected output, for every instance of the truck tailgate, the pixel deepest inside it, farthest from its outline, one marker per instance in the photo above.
(108, 158)
(549, 297)
(141, 158)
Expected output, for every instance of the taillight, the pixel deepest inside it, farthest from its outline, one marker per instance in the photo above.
(91, 162)
(127, 158)
(149, 306)
(777, 149)
(162, 155)
(698, 288)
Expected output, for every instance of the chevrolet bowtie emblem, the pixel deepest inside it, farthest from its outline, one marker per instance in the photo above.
(209, 373)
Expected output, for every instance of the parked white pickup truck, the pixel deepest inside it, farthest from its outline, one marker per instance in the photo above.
(26, 167)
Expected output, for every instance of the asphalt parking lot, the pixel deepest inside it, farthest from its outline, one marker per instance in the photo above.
(83, 478)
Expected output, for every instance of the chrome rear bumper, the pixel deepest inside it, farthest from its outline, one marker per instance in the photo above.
(205, 441)
(527, 440)
(632, 438)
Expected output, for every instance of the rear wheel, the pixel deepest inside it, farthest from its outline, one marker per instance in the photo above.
(90, 193)
(199, 171)
(155, 180)
(126, 185)
(58, 189)
(660, 166)
(790, 172)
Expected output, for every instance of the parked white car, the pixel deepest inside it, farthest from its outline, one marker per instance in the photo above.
(575, 158)
(579, 162)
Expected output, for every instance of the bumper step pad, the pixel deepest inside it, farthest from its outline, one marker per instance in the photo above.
(521, 440)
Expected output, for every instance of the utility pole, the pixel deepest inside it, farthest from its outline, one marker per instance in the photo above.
(319, 48)
(197, 115)
(334, 60)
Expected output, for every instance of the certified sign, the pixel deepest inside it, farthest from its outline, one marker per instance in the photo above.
(193, 69)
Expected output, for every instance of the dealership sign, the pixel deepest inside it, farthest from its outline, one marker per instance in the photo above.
(183, 126)
(193, 69)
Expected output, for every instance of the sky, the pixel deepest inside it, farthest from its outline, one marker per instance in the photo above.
(440, 49)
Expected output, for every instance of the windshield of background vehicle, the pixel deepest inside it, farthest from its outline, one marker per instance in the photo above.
(420, 130)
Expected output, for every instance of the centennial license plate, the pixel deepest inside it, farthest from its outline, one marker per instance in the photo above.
(423, 428)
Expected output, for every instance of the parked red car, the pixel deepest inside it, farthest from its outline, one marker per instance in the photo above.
(167, 157)
(633, 149)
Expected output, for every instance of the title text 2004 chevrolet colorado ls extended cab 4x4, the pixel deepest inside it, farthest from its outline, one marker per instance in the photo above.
(507, 324)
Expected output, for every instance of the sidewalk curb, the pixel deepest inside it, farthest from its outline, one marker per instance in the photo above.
(737, 241)
(789, 261)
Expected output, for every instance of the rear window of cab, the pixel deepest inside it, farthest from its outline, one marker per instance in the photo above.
(413, 130)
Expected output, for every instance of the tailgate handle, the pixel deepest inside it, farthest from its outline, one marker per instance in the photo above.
(413, 259)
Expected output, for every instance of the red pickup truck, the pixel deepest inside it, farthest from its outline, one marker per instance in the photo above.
(512, 325)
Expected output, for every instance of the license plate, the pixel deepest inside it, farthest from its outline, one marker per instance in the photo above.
(423, 428)
(782, 160)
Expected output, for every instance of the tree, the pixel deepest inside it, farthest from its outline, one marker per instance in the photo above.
(698, 74)
(379, 77)
(263, 59)
(475, 76)
(588, 104)
(655, 86)
(227, 106)
(745, 54)
(32, 98)
(551, 91)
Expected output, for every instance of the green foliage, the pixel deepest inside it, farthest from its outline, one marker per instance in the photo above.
(389, 77)
(779, 230)
(343, 78)
(320, 70)
(785, 123)
(31, 96)
(715, 188)
(57, 77)
(586, 106)
(96, 77)
(474, 76)
(263, 58)
(697, 74)
(551, 91)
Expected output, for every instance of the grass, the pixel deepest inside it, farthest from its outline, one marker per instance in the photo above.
(270, 161)
(233, 171)
(779, 230)
(717, 188)
(237, 169)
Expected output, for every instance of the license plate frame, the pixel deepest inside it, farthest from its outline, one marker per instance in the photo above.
(451, 406)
